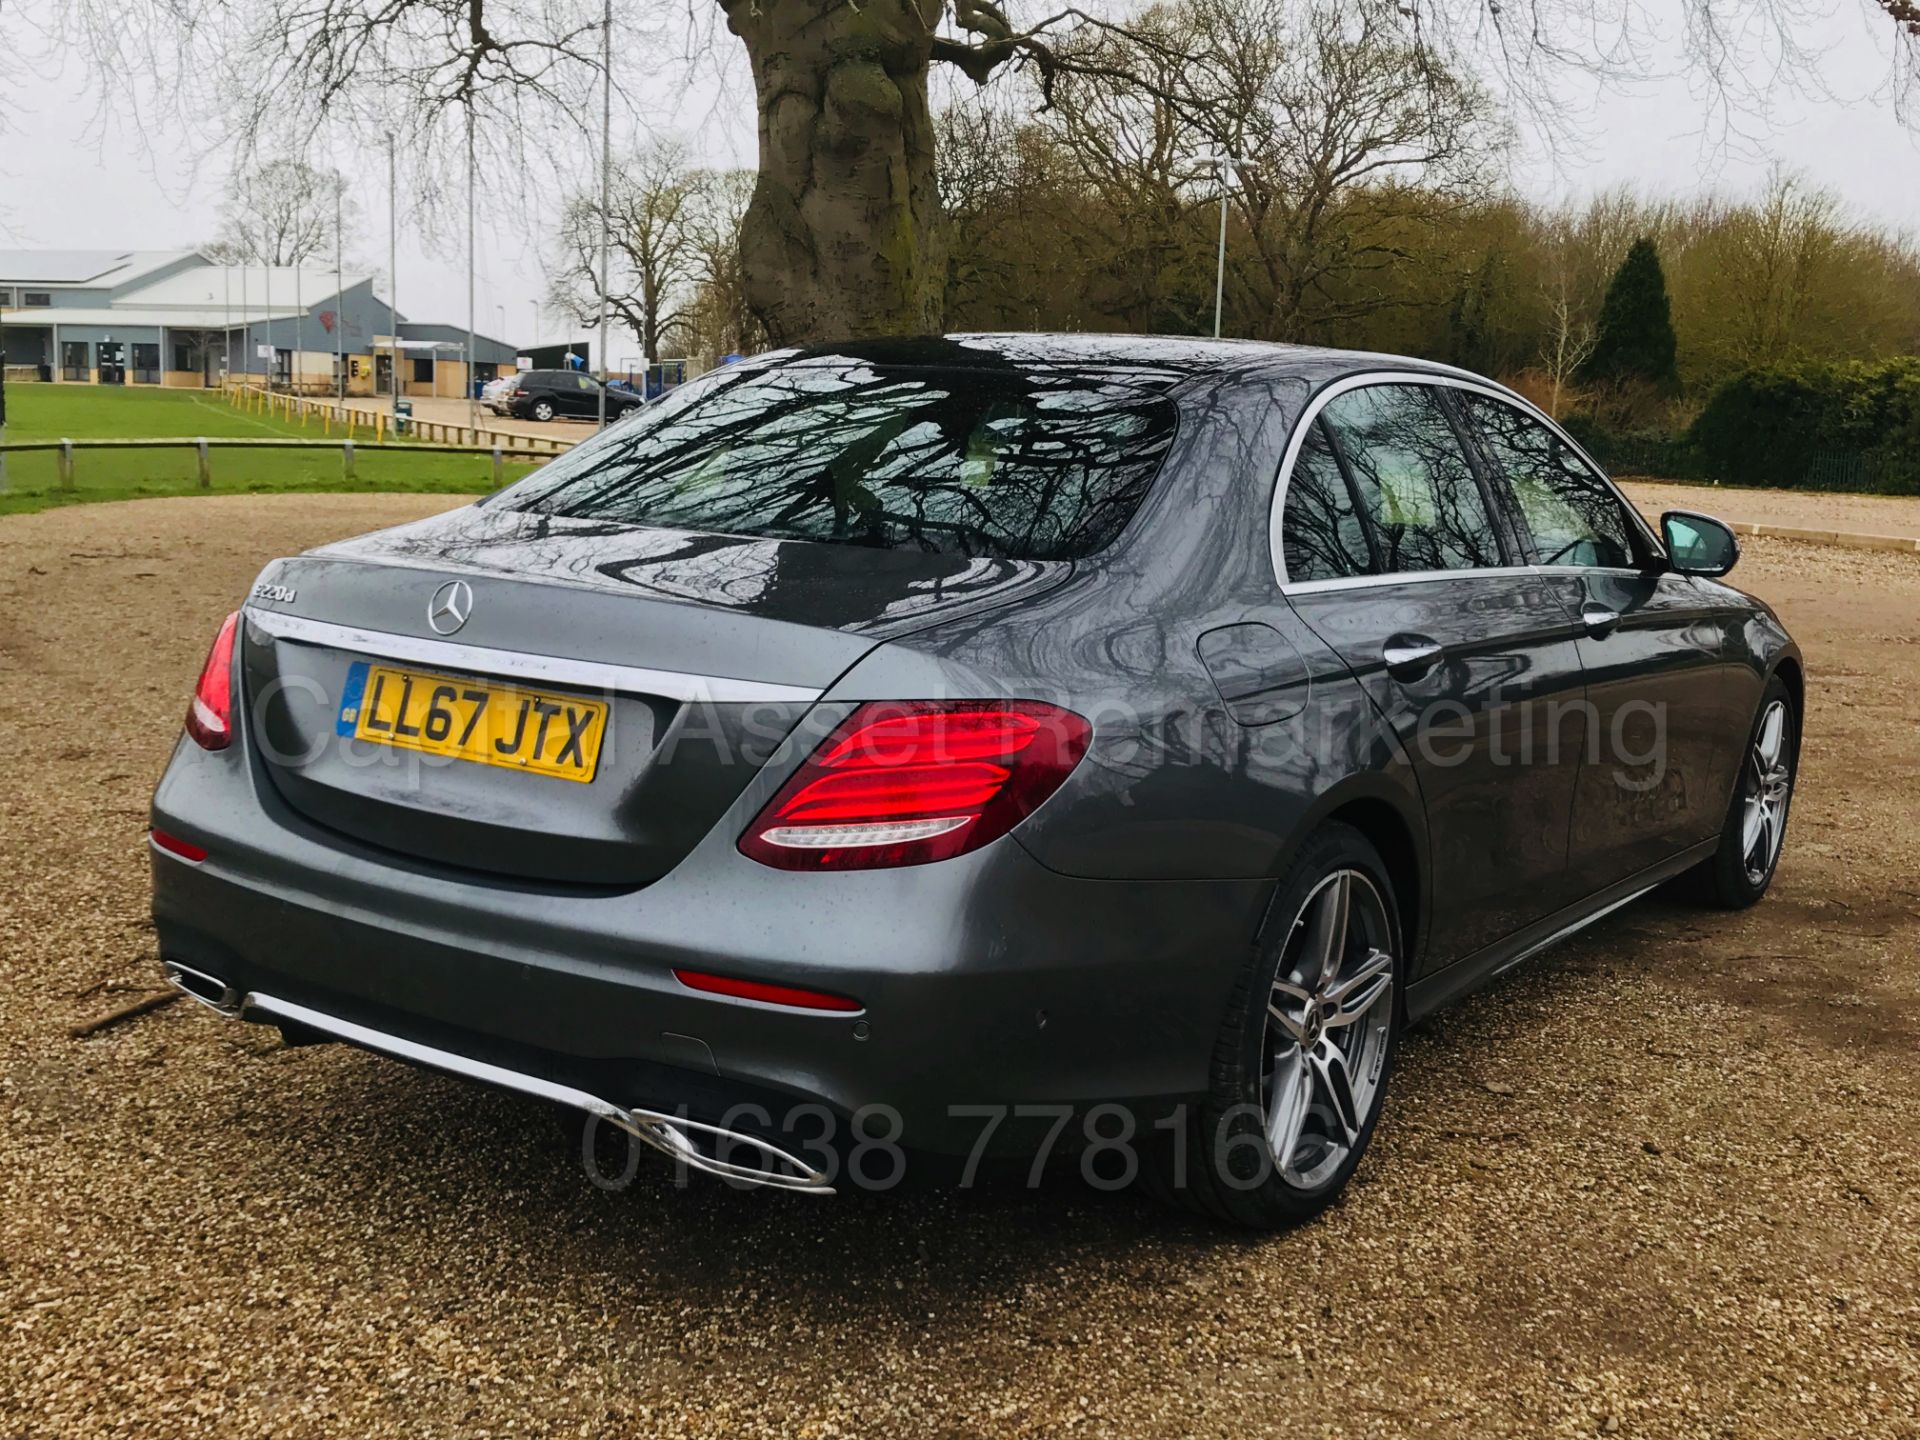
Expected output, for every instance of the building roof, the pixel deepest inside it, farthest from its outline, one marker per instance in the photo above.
(486, 349)
(217, 286)
(138, 316)
(83, 267)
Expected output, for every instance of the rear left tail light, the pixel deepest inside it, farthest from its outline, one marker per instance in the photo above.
(210, 715)
(906, 782)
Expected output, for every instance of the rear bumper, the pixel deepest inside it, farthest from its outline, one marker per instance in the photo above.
(986, 981)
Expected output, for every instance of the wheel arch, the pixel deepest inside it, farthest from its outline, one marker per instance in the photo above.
(1793, 675)
(1389, 830)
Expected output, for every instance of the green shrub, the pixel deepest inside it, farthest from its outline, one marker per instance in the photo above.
(1651, 452)
(1847, 426)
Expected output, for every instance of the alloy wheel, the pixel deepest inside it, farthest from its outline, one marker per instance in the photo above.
(1329, 1024)
(1768, 789)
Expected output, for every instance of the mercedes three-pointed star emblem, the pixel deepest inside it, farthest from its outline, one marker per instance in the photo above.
(447, 611)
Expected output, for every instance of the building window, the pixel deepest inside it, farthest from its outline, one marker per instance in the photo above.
(35, 299)
(146, 364)
(485, 371)
(6, 297)
(186, 355)
(73, 360)
(423, 372)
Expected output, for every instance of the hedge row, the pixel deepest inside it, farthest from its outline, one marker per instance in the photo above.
(1654, 453)
(1851, 426)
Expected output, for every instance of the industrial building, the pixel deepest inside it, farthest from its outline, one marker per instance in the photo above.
(175, 318)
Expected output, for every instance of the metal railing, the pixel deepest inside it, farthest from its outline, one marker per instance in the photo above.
(204, 446)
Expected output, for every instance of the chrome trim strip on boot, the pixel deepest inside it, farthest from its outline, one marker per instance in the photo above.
(521, 664)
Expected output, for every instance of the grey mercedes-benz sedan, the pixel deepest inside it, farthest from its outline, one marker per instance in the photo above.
(959, 748)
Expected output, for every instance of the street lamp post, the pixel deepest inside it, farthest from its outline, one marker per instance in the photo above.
(1222, 167)
(606, 187)
(473, 406)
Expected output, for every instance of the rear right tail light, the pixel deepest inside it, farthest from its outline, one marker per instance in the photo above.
(907, 782)
(210, 715)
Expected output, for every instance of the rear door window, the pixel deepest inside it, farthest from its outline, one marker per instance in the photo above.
(1321, 532)
(1574, 516)
(1423, 504)
(1012, 460)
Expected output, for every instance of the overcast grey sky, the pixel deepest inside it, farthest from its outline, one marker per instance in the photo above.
(64, 181)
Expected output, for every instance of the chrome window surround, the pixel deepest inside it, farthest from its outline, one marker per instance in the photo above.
(1276, 512)
(523, 665)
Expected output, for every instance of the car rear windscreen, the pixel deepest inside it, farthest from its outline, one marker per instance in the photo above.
(1017, 461)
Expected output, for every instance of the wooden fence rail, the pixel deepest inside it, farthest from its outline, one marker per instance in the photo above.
(206, 445)
(330, 412)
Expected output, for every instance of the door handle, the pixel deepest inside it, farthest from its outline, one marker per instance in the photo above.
(1598, 619)
(1409, 657)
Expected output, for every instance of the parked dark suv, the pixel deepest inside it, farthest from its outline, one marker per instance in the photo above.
(956, 745)
(566, 395)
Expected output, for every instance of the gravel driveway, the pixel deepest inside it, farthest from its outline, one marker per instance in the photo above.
(1661, 1181)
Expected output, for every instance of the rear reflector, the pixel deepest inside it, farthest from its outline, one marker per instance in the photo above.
(210, 713)
(766, 994)
(906, 782)
(174, 845)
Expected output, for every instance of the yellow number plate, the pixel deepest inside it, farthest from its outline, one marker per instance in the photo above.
(557, 735)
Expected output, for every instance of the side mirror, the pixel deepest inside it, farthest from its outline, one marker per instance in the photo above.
(1698, 544)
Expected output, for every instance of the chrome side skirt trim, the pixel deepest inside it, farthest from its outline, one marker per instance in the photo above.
(674, 1136)
(522, 665)
(1564, 931)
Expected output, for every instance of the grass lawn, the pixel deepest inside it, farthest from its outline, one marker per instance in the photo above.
(90, 412)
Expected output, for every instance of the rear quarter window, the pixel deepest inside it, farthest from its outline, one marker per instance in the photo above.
(1010, 460)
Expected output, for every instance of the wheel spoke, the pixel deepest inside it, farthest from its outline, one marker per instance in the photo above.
(1330, 1075)
(1295, 1029)
(1290, 1096)
(1354, 995)
(1773, 731)
(1326, 939)
(1752, 826)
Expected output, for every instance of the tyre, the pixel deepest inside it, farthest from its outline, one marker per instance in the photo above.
(1301, 1064)
(1756, 824)
(542, 410)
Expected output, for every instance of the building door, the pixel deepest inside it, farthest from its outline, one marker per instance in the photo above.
(113, 363)
(73, 360)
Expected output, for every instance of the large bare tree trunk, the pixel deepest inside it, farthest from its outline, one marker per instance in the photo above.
(844, 236)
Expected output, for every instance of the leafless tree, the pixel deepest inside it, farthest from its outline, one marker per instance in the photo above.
(844, 233)
(654, 200)
(1570, 330)
(1349, 133)
(720, 321)
(283, 212)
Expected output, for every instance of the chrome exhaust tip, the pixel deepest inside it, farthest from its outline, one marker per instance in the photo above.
(209, 990)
